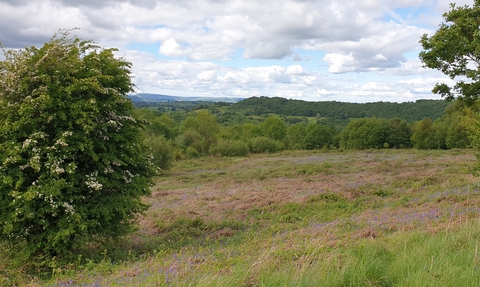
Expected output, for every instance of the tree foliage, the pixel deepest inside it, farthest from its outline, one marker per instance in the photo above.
(264, 145)
(376, 133)
(230, 148)
(274, 128)
(423, 136)
(454, 49)
(158, 135)
(446, 132)
(365, 133)
(333, 112)
(400, 134)
(72, 165)
(319, 136)
(295, 135)
(199, 132)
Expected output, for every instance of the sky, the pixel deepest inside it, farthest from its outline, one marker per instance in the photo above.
(313, 50)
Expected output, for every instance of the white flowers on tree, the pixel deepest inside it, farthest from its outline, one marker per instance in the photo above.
(72, 163)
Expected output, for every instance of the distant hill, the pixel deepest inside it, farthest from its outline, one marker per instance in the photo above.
(410, 111)
(152, 98)
(329, 111)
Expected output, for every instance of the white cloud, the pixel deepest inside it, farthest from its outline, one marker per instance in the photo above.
(380, 57)
(296, 70)
(207, 75)
(339, 63)
(171, 48)
(248, 47)
(409, 67)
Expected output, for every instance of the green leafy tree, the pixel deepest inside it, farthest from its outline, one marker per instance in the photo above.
(443, 133)
(471, 123)
(226, 147)
(160, 149)
(399, 134)
(423, 136)
(365, 133)
(203, 123)
(72, 164)
(232, 132)
(199, 132)
(456, 133)
(439, 129)
(274, 128)
(250, 131)
(264, 145)
(454, 49)
(158, 135)
(318, 136)
(158, 124)
(296, 135)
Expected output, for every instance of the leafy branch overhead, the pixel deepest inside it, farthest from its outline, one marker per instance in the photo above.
(454, 49)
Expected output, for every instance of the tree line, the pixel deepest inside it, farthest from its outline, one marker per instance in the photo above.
(199, 133)
(410, 111)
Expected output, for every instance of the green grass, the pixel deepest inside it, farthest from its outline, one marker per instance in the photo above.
(366, 218)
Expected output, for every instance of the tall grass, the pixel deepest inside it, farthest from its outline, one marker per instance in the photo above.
(370, 218)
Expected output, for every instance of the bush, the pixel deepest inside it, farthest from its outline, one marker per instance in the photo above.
(264, 144)
(295, 135)
(230, 148)
(423, 136)
(318, 136)
(199, 132)
(161, 150)
(274, 128)
(192, 152)
(72, 163)
(365, 133)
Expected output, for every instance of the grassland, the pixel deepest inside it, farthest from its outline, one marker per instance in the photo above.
(356, 218)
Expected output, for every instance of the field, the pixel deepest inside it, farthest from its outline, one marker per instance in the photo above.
(297, 218)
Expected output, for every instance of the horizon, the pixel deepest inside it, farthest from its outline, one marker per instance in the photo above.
(212, 99)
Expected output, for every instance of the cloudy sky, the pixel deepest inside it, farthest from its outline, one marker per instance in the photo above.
(315, 50)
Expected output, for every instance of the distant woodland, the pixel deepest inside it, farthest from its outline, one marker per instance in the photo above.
(257, 125)
(409, 111)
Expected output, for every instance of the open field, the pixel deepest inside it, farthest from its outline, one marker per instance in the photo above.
(297, 218)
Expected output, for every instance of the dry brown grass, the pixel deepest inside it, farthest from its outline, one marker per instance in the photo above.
(220, 189)
(303, 214)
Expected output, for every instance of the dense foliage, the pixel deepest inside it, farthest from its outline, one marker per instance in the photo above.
(199, 132)
(454, 50)
(368, 133)
(72, 164)
(409, 111)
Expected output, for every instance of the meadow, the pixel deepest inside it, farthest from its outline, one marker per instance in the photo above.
(296, 218)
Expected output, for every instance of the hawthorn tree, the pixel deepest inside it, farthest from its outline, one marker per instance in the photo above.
(72, 163)
(454, 49)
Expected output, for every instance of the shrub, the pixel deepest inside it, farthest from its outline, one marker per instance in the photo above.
(365, 133)
(318, 136)
(274, 128)
(264, 144)
(161, 150)
(192, 152)
(230, 148)
(72, 163)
